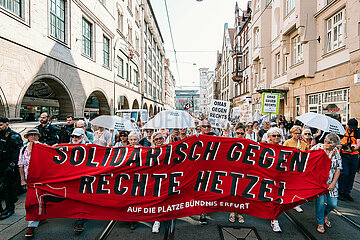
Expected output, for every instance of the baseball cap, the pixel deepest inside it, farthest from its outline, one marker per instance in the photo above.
(353, 123)
(78, 132)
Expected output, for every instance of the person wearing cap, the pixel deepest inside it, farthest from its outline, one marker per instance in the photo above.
(349, 152)
(32, 136)
(10, 145)
(89, 136)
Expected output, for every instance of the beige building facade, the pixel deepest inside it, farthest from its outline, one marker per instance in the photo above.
(309, 51)
(71, 57)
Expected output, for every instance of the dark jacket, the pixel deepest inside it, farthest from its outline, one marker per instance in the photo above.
(65, 133)
(49, 134)
(10, 145)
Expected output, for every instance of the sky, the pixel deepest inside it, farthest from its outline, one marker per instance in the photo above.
(198, 29)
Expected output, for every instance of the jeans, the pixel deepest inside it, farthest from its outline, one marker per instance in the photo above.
(322, 210)
(33, 223)
(347, 174)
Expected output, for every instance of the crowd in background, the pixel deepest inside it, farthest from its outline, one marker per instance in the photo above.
(342, 150)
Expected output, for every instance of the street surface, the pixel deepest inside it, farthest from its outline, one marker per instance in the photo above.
(189, 228)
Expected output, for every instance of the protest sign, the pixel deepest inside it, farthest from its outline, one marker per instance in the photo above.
(144, 116)
(127, 115)
(270, 103)
(196, 175)
(219, 112)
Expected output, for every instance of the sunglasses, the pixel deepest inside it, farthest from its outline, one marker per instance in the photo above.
(206, 126)
(74, 136)
(149, 130)
(276, 135)
(307, 133)
(239, 133)
(123, 135)
(249, 125)
(158, 139)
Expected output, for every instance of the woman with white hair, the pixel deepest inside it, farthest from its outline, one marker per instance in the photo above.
(329, 146)
(308, 138)
(274, 136)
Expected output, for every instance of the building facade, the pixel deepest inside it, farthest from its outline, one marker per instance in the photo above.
(169, 90)
(203, 91)
(71, 57)
(241, 74)
(188, 100)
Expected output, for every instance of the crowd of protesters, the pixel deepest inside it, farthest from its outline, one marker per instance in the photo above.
(342, 150)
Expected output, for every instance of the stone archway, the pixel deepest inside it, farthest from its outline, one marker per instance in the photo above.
(135, 104)
(123, 103)
(46, 95)
(97, 103)
(151, 111)
(2, 108)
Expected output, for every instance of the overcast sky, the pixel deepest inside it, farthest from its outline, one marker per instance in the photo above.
(197, 29)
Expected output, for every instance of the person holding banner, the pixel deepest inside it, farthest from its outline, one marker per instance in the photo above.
(102, 137)
(183, 133)
(157, 140)
(146, 141)
(274, 137)
(123, 139)
(329, 146)
(32, 136)
(250, 133)
(240, 133)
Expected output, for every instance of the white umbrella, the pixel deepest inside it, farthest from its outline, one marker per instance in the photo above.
(322, 122)
(171, 119)
(113, 122)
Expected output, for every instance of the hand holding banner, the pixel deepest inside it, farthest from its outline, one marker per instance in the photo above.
(196, 175)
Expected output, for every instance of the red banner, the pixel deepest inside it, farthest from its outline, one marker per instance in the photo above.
(197, 175)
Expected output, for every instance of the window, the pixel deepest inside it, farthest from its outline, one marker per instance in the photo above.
(297, 105)
(256, 38)
(129, 5)
(127, 72)
(145, 87)
(290, 5)
(106, 51)
(285, 63)
(137, 43)
(257, 5)
(130, 33)
(154, 92)
(130, 74)
(150, 89)
(298, 49)
(136, 78)
(13, 6)
(335, 31)
(57, 19)
(87, 37)
(277, 58)
(120, 67)
(120, 21)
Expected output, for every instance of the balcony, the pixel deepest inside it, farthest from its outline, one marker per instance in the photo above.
(237, 76)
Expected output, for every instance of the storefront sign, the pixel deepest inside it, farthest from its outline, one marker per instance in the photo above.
(219, 112)
(270, 103)
(196, 175)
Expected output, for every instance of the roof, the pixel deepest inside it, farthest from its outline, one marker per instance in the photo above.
(231, 36)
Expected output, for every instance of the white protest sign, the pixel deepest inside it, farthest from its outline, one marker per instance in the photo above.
(144, 116)
(127, 115)
(219, 112)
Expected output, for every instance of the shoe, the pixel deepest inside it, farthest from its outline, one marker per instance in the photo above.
(348, 197)
(30, 232)
(275, 226)
(203, 220)
(6, 213)
(156, 227)
(341, 197)
(232, 217)
(320, 228)
(241, 218)
(133, 225)
(327, 222)
(298, 209)
(79, 227)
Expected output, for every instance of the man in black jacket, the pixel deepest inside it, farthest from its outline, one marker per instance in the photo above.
(48, 132)
(10, 145)
(66, 130)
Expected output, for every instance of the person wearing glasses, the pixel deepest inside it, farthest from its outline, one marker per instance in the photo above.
(295, 142)
(250, 133)
(123, 141)
(157, 140)
(183, 133)
(308, 138)
(205, 127)
(240, 133)
(329, 146)
(146, 141)
(274, 137)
